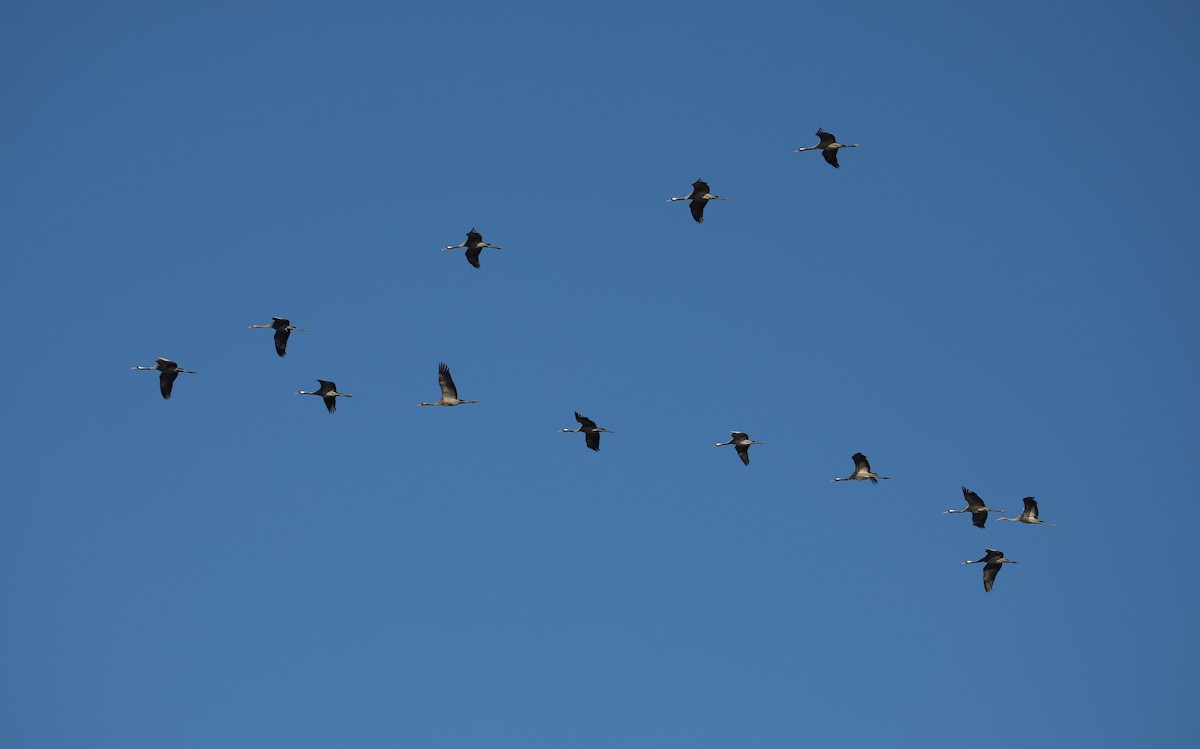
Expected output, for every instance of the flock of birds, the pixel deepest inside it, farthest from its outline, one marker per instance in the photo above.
(700, 196)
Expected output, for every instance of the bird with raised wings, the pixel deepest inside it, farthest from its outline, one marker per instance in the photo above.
(449, 392)
(1030, 514)
(862, 471)
(979, 511)
(591, 432)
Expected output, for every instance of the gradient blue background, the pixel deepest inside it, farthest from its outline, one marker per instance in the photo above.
(997, 289)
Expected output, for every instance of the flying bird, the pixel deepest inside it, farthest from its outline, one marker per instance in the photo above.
(975, 506)
(862, 471)
(474, 245)
(449, 392)
(1030, 515)
(327, 391)
(828, 147)
(590, 430)
(699, 197)
(169, 371)
(993, 560)
(741, 442)
(283, 328)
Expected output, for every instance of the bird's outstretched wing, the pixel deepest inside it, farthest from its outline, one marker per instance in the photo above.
(473, 254)
(166, 381)
(592, 439)
(743, 452)
(446, 383)
(697, 206)
(281, 339)
(989, 576)
(830, 155)
(972, 498)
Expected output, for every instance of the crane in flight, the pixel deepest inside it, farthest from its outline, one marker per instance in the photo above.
(449, 392)
(327, 391)
(590, 431)
(699, 197)
(1030, 515)
(828, 147)
(862, 471)
(474, 245)
(168, 371)
(283, 329)
(992, 561)
(741, 442)
(979, 512)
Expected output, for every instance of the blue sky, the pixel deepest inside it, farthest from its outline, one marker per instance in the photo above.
(995, 290)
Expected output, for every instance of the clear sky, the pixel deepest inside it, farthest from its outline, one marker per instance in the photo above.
(996, 290)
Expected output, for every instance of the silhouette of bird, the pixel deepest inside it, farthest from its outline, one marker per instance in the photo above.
(828, 147)
(975, 506)
(474, 245)
(169, 370)
(862, 471)
(590, 430)
(992, 560)
(1030, 515)
(741, 442)
(449, 392)
(699, 197)
(283, 328)
(328, 391)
